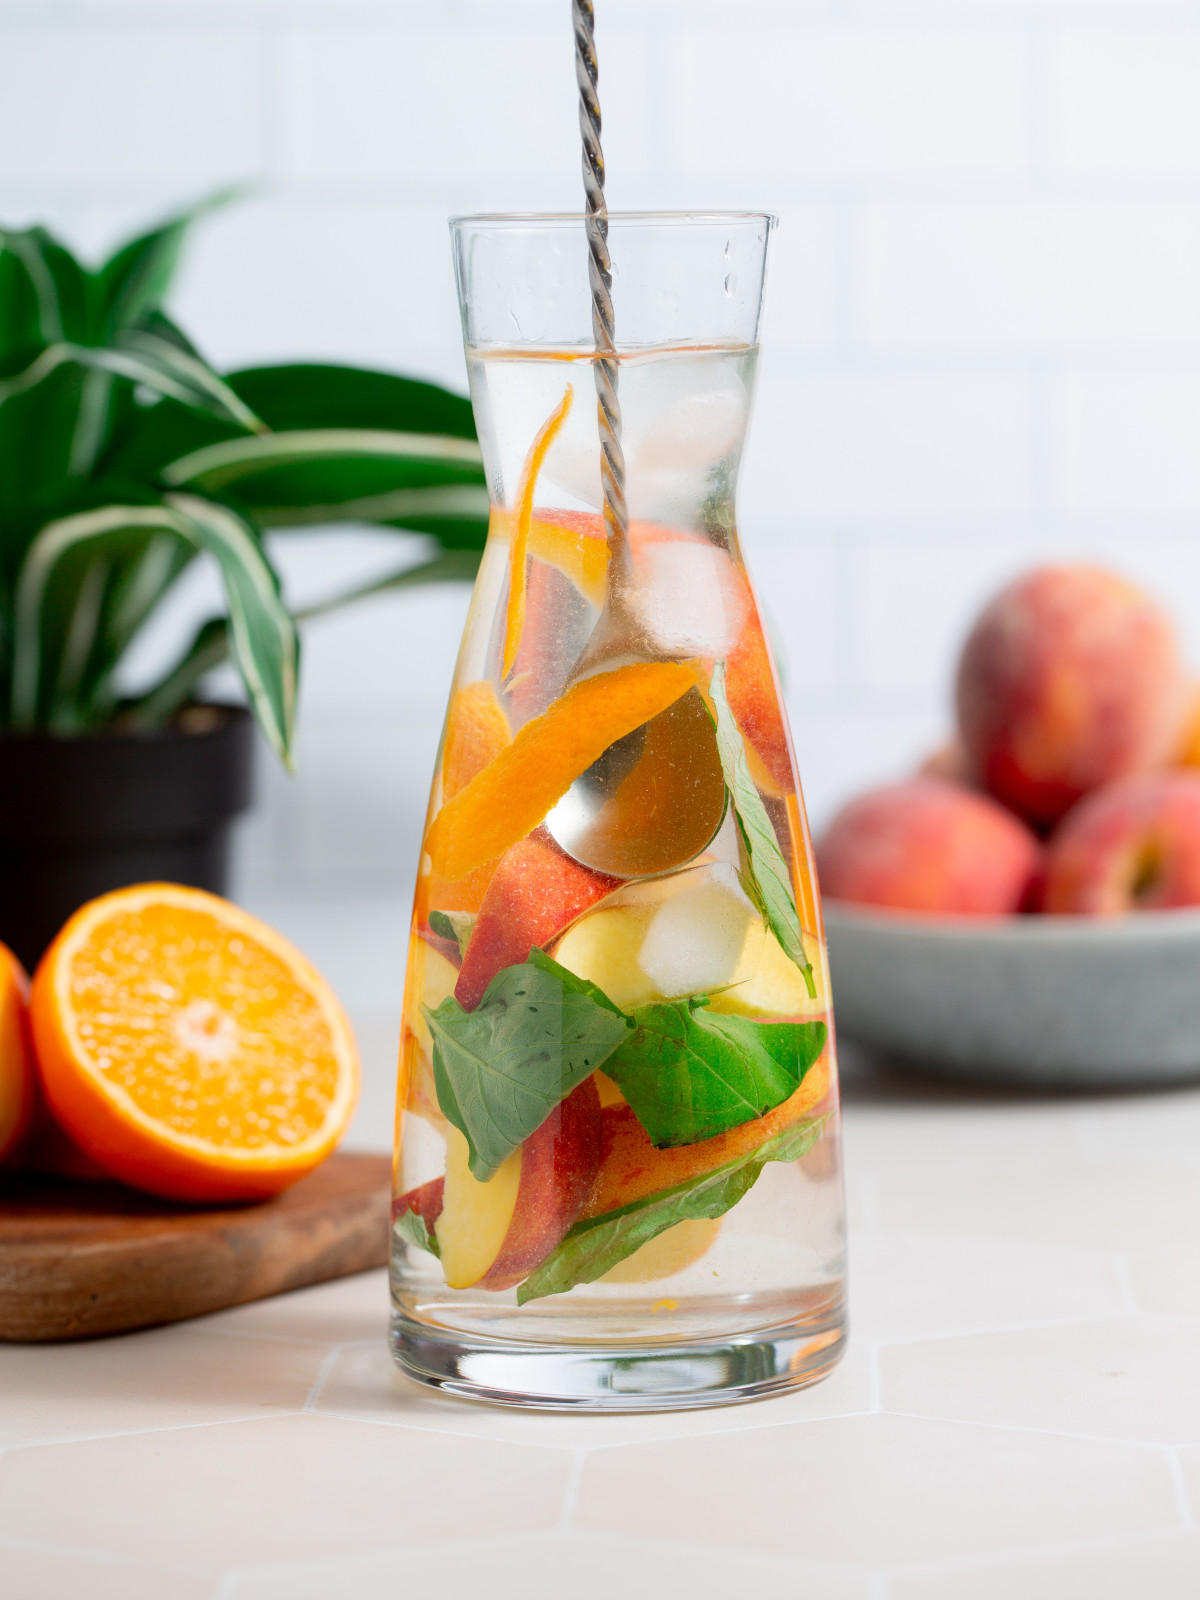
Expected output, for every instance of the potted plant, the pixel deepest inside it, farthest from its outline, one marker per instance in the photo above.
(124, 457)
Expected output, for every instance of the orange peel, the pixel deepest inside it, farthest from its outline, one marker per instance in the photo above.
(518, 549)
(17, 1094)
(190, 1049)
(507, 800)
(477, 729)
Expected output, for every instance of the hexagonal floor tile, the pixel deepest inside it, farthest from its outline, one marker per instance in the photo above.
(878, 1491)
(167, 1378)
(1151, 1569)
(49, 1575)
(1166, 1277)
(961, 1139)
(291, 1489)
(1118, 1378)
(1099, 1206)
(913, 1285)
(551, 1568)
(341, 1312)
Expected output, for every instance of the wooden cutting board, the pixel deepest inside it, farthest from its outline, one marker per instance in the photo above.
(82, 1259)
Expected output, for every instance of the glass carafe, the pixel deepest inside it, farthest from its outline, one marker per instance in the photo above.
(617, 1168)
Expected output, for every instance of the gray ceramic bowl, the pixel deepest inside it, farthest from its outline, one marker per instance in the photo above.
(1039, 1000)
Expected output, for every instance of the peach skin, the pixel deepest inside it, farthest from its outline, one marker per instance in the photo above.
(1131, 846)
(1071, 677)
(928, 845)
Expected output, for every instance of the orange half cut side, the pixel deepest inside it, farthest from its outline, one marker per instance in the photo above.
(190, 1049)
(16, 1059)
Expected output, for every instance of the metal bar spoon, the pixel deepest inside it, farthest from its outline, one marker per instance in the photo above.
(656, 798)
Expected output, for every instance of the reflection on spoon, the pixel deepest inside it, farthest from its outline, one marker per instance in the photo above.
(652, 802)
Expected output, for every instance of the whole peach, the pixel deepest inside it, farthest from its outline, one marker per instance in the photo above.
(1070, 678)
(928, 845)
(1132, 846)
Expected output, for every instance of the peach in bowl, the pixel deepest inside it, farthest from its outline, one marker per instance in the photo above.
(1105, 991)
(1071, 791)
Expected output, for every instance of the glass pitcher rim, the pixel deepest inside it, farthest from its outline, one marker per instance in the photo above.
(564, 219)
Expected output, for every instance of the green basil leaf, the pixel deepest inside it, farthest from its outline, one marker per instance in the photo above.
(594, 1246)
(690, 1074)
(412, 1230)
(500, 1070)
(767, 880)
(453, 925)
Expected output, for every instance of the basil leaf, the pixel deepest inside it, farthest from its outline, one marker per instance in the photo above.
(592, 1247)
(500, 1070)
(690, 1074)
(767, 881)
(412, 1230)
(453, 925)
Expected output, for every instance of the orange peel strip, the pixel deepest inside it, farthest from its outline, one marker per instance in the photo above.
(477, 730)
(518, 547)
(508, 799)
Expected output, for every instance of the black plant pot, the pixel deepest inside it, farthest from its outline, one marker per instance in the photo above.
(79, 817)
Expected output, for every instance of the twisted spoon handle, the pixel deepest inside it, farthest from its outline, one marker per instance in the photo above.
(612, 458)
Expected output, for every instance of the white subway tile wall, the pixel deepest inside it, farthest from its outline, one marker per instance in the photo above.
(983, 338)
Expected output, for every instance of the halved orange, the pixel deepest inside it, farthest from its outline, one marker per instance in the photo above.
(17, 1094)
(190, 1049)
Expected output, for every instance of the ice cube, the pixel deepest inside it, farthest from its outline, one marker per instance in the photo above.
(694, 433)
(689, 597)
(694, 941)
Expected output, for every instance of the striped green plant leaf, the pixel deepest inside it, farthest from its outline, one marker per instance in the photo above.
(46, 297)
(210, 646)
(335, 408)
(73, 554)
(324, 395)
(280, 470)
(134, 281)
(143, 358)
(420, 483)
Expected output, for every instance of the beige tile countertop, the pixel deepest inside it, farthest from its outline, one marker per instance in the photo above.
(1019, 1414)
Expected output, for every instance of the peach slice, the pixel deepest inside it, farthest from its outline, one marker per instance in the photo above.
(667, 1253)
(535, 893)
(425, 1201)
(756, 703)
(632, 1168)
(475, 1216)
(430, 978)
(603, 947)
(767, 984)
(493, 1234)
(574, 542)
(510, 797)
